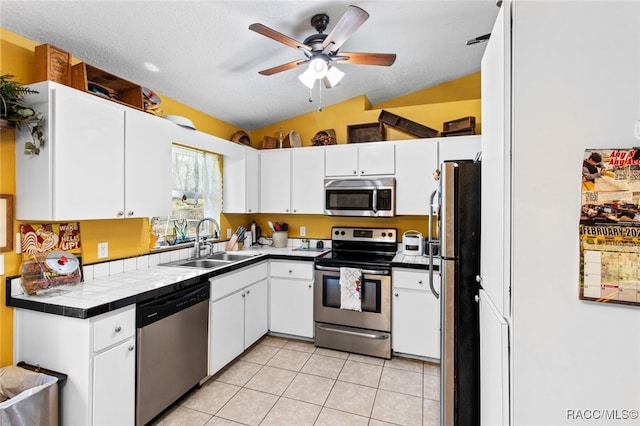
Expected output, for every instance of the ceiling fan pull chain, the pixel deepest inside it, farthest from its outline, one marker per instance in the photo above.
(320, 96)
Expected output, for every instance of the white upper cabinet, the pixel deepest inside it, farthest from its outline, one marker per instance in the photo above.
(147, 162)
(241, 182)
(92, 165)
(275, 181)
(292, 180)
(365, 159)
(459, 147)
(307, 180)
(416, 161)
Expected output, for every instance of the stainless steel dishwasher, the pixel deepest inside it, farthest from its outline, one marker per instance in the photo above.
(172, 355)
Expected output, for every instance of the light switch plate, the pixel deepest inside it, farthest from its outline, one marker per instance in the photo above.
(103, 250)
(303, 231)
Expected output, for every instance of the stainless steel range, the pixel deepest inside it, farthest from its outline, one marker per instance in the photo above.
(352, 291)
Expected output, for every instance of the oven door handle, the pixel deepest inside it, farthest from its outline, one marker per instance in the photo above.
(364, 271)
(353, 333)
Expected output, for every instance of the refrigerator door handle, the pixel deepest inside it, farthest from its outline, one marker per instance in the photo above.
(433, 289)
(431, 242)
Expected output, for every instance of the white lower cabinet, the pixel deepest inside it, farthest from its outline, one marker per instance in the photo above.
(415, 313)
(238, 315)
(291, 298)
(96, 354)
(113, 397)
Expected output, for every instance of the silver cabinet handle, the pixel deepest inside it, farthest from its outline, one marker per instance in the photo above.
(397, 295)
(243, 294)
(420, 282)
(120, 213)
(290, 271)
(131, 348)
(310, 286)
(118, 329)
(130, 213)
(248, 291)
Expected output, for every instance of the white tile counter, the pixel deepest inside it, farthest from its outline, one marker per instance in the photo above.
(111, 285)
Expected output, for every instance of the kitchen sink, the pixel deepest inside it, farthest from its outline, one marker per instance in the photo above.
(230, 257)
(199, 263)
(215, 260)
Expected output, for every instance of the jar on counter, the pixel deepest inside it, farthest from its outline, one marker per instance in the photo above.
(44, 273)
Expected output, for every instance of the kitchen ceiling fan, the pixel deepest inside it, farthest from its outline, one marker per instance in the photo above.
(322, 50)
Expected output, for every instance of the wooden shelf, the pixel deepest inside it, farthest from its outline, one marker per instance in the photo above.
(100, 83)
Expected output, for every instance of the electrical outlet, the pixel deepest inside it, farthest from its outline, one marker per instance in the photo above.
(103, 250)
(229, 231)
(303, 231)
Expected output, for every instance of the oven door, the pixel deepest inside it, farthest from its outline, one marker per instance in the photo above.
(376, 300)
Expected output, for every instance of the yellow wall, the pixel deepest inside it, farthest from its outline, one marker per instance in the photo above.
(129, 237)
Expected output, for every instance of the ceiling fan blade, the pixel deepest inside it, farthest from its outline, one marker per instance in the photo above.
(279, 37)
(283, 67)
(352, 19)
(385, 59)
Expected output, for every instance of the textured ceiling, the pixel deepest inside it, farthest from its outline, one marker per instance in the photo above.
(209, 59)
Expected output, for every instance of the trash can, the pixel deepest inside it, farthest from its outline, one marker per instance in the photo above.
(28, 397)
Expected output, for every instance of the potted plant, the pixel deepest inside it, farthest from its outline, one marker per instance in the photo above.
(14, 113)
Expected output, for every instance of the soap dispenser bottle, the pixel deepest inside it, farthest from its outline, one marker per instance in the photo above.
(253, 232)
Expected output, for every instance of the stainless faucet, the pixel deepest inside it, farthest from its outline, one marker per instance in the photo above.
(196, 245)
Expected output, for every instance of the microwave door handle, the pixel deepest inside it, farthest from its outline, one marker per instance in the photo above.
(375, 200)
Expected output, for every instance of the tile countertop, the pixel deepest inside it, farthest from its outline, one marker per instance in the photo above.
(114, 284)
(414, 262)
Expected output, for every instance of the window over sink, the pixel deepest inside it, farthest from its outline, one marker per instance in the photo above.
(196, 194)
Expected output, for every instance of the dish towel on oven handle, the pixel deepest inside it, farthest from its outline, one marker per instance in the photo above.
(350, 289)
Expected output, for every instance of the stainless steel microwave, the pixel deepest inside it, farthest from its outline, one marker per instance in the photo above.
(360, 197)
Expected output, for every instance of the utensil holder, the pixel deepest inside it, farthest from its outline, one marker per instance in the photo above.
(280, 239)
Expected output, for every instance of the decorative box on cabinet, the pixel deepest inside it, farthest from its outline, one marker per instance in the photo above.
(368, 132)
(84, 76)
(406, 125)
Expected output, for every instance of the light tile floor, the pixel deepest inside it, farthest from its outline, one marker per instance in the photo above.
(290, 382)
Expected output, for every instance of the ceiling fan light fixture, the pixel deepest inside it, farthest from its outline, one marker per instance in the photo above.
(308, 78)
(333, 78)
(319, 67)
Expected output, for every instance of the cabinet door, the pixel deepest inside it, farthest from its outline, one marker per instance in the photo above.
(147, 165)
(341, 160)
(256, 319)
(253, 181)
(88, 170)
(292, 307)
(307, 180)
(275, 181)
(114, 373)
(226, 325)
(376, 159)
(494, 368)
(416, 161)
(416, 323)
(459, 148)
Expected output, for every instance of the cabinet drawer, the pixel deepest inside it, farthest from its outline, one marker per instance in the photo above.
(231, 282)
(114, 328)
(412, 279)
(298, 270)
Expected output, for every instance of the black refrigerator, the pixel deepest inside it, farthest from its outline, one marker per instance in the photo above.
(459, 252)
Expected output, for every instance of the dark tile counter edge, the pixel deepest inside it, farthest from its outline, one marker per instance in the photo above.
(408, 265)
(84, 313)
